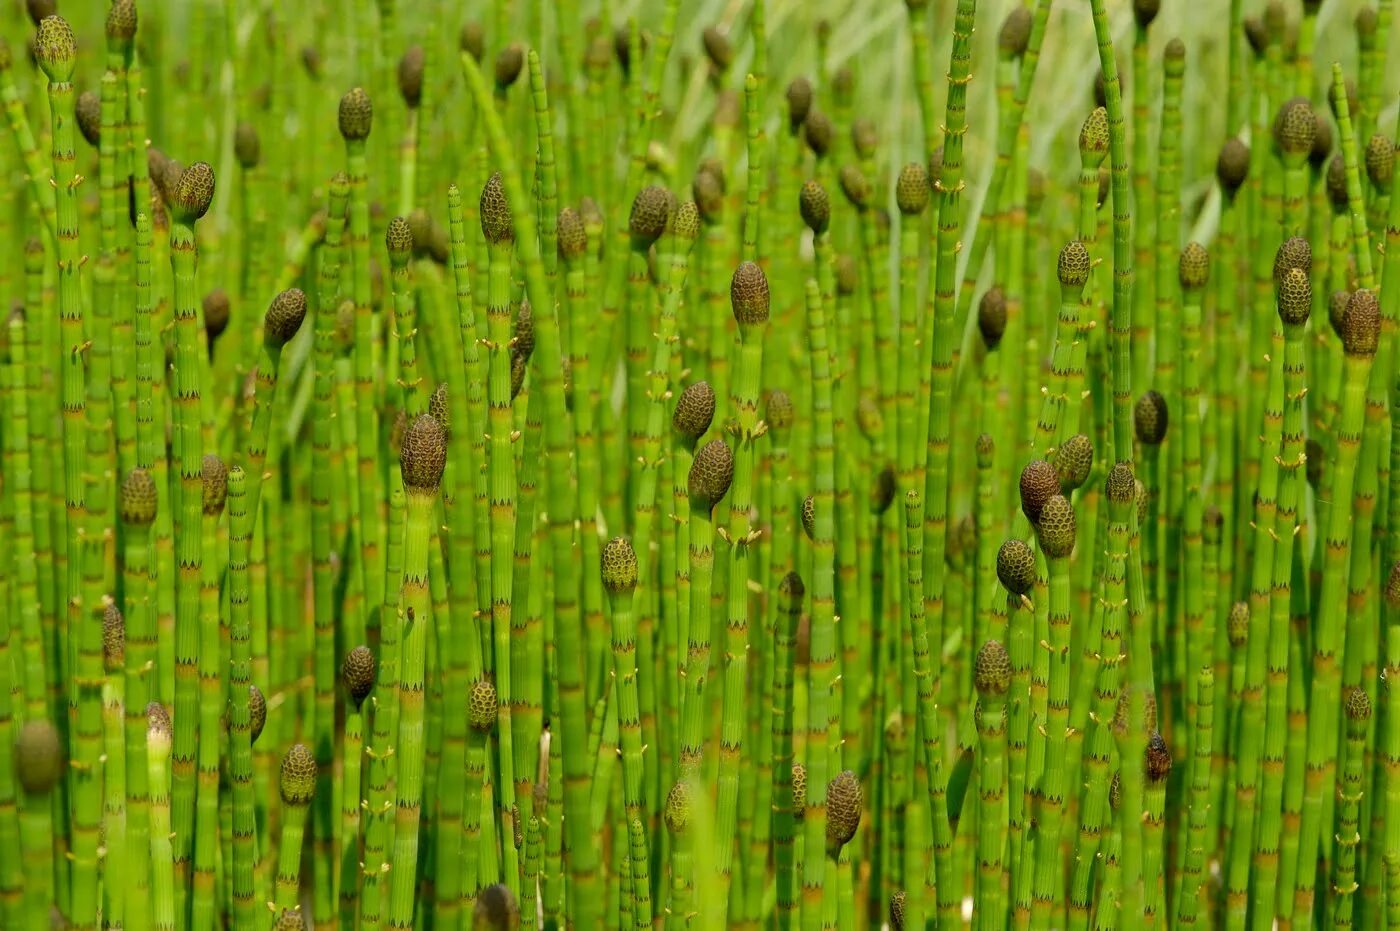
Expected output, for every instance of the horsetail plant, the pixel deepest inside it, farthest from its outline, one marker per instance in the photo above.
(297, 786)
(484, 753)
(421, 465)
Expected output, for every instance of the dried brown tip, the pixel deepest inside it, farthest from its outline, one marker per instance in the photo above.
(193, 193)
(799, 101)
(247, 147)
(1015, 33)
(817, 132)
(855, 186)
(1361, 326)
(509, 63)
(1145, 11)
(677, 811)
(843, 803)
(1232, 165)
(1367, 26)
(121, 23)
(1294, 298)
(496, 223)
(710, 475)
(139, 500)
(283, 318)
(992, 670)
(472, 39)
(1193, 268)
(358, 671)
(411, 76)
(1039, 482)
(911, 191)
(1074, 265)
(815, 206)
(1150, 418)
(991, 317)
(88, 111)
(1073, 460)
(113, 638)
(495, 910)
(809, 517)
(1016, 567)
(1056, 527)
(695, 408)
(748, 294)
(257, 712)
(573, 236)
(718, 48)
(1158, 758)
(619, 566)
(1380, 161)
(298, 779)
(1294, 128)
(651, 211)
(38, 757)
(214, 476)
(424, 454)
(356, 115)
(1174, 58)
